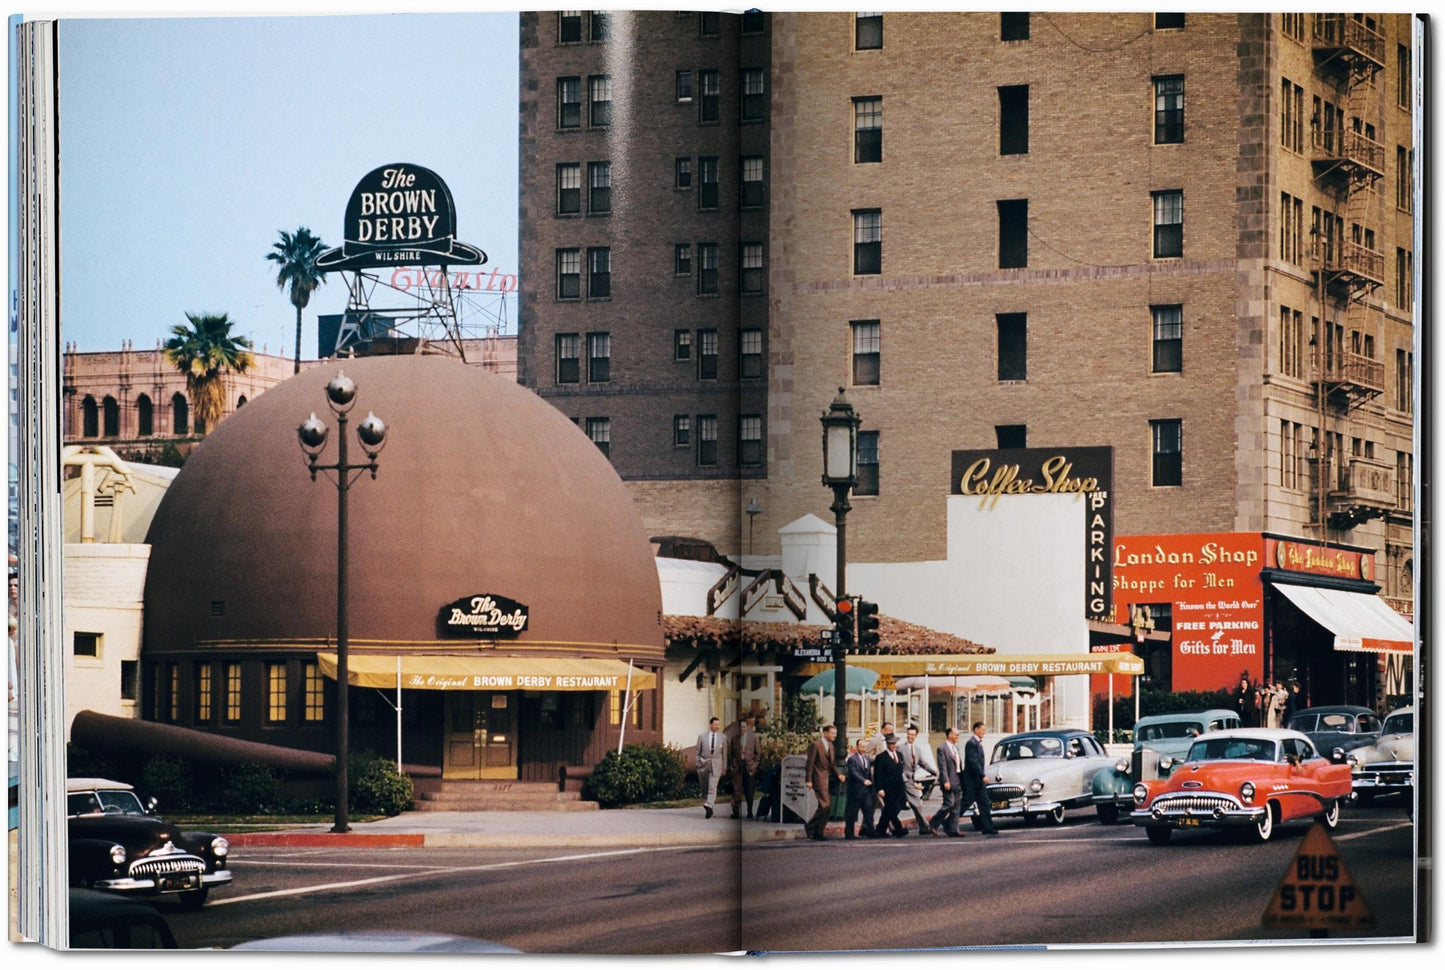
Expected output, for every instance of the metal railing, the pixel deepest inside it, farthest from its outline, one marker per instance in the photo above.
(1338, 31)
(1357, 369)
(1348, 145)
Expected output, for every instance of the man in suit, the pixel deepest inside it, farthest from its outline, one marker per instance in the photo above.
(914, 756)
(860, 794)
(888, 779)
(975, 790)
(712, 758)
(819, 772)
(950, 778)
(746, 752)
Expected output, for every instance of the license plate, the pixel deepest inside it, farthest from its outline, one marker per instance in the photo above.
(1002, 804)
(179, 882)
(1189, 823)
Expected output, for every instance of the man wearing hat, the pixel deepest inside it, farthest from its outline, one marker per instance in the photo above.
(888, 781)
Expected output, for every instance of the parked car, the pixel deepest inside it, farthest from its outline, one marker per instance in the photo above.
(1043, 774)
(1337, 730)
(1387, 766)
(1247, 778)
(100, 921)
(117, 844)
(1160, 742)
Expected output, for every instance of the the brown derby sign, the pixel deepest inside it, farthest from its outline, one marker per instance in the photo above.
(400, 215)
(483, 615)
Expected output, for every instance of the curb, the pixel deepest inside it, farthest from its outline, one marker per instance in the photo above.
(316, 840)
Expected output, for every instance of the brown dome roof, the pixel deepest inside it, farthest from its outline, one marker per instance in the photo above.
(482, 488)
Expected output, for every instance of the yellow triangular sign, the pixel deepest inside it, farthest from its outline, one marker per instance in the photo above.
(1317, 892)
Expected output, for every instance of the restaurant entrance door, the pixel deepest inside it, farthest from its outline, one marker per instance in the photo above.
(481, 735)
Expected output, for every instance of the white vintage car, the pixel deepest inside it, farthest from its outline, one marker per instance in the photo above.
(1388, 765)
(1042, 774)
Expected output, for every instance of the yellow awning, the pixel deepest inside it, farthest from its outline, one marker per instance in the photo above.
(1001, 665)
(436, 672)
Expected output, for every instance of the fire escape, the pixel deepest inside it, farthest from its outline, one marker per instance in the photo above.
(1347, 159)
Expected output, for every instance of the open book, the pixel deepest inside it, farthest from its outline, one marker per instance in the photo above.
(707, 474)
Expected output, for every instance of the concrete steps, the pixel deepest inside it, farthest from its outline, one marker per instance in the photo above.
(437, 795)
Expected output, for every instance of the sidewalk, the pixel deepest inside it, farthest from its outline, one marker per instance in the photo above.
(612, 828)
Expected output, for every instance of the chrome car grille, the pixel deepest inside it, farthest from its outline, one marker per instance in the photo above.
(145, 868)
(999, 792)
(1195, 803)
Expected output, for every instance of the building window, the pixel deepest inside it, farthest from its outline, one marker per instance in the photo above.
(90, 418)
(1168, 21)
(867, 242)
(86, 645)
(707, 181)
(1169, 110)
(569, 188)
(707, 439)
(750, 439)
(569, 355)
(867, 130)
(1405, 178)
(707, 355)
(708, 23)
(275, 693)
(867, 463)
(1289, 442)
(233, 693)
(868, 31)
(599, 273)
(1404, 381)
(709, 89)
(1291, 229)
(1013, 362)
(707, 269)
(203, 693)
(682, 345)
(1291, 115)
(750, 353)
(1011, 435)
(752, 21)
(1403, 81)
(750, 279)
(1013, 233)
(180, 415)
(755, 98)
(1013, 120)
(1168, 338)
(599, 187)
(1292, 25)
(1405, 485)
(145, 416)
(599, 358)
(569, 102)
(681, 430)
(682, 259)
(110, 411)
(569, 26)
(314, 693)
(569, 274)
(600, 431)
(599, 96)
(601, 26)
(682, 172)
(1013, 26)
(130, 680)
(1404, 278)
(173, 693)
(867, 344)
(1291, 342)
(684, 87)
(1168, 452)
(1168, 223)
(750, 189)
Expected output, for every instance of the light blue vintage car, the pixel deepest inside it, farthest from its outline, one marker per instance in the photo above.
(1160, 742)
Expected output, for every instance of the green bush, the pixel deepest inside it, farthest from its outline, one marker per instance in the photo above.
(169, 781)
(639, 773)
(376, 787)
(253, 789)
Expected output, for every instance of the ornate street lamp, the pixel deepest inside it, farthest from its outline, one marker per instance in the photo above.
(371, 432)
(840, 473)
(753, 511)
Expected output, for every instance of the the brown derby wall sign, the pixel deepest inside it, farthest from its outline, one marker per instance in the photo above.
(400, 215)
(483, 615)
(1087, 472)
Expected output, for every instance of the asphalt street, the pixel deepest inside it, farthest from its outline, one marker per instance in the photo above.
(1076, 883)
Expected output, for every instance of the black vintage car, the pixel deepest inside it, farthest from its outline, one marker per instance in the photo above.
(117, 845)
(1338, 729)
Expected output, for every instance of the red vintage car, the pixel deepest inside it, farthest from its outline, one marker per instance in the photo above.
(1250, 778)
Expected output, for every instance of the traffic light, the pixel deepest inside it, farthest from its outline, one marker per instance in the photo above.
(867, 620)
(844, 618)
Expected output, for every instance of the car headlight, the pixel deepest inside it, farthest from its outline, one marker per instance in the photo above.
(1351, 760)
(219, 847)
(1246, 792)
(117, 854)
(1036, 786)
(1165, 763)
(1141, 794)
(1337, 755)
(1122, 765)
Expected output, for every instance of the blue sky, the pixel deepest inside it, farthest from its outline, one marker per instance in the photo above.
(188, 143)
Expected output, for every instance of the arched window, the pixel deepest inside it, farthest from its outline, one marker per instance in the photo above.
(240, 402)
(89, 418)
(145, 416)
(180, 415)
(111, 411)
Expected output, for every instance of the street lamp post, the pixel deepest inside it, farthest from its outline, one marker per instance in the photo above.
(840, 473)
(371, 432)
(753, 511)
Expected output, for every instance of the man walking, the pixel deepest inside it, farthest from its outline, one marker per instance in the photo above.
(819, 773)
(746, 753)
(860, 793)
(913, 756)
(888, 779)
(950, 776)
(712, 757)
(975, 791)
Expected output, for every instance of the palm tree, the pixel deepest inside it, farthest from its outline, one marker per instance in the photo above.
(296, 257)
(205, 352)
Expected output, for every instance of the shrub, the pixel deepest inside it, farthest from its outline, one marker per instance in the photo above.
(83, 763)
(376, 787)
(169, 781)
(253, 789)
(639, 773)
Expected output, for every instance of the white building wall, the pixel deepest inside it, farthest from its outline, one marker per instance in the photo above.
(104, 583)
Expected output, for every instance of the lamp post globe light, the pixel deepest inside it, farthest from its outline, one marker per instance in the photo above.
(840, 473)
(312, 434)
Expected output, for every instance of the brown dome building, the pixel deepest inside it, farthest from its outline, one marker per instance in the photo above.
(488, 506)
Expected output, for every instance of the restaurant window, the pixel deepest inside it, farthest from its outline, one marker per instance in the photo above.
(867, 345)
(1013, 361)
(569, 102)
(569, 356)
(868, 31)
(314, 692)
(867, 130)
(750, 439)
(1168, 452)
(750, 353)
(707, 355)
(599, 357)
(750, 279)
(1013, 120)
(600, 431)
(275, 693)
(203, 692)
(867, 463)
(233, 692)
(1013, 25)
(709, 94)
(569, 188)
(1013, 233)
(1168, 338)
(1169, 109)
(599, 95)
(1168, 223)
(707, 439)
(867, 242)
(599, 187)
(173, 694)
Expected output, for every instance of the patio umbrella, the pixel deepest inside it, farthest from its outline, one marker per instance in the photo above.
(858, 680)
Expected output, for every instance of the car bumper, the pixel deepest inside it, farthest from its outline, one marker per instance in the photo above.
(1020, 805)
(1384, 779)
(1193, 818)
(156, 885)
(1121, 800)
